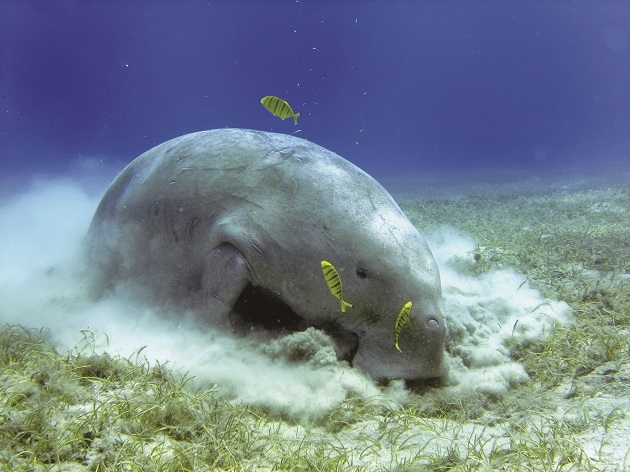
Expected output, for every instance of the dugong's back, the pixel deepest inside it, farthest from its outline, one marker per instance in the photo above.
(229, 163)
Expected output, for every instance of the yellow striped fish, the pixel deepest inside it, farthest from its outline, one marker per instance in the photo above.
(279, 107)
(401, 321)
(334, 284)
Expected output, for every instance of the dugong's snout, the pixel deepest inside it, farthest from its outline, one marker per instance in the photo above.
(421, 354)
(427, 346)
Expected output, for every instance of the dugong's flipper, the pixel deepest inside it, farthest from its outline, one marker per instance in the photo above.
(225, 277)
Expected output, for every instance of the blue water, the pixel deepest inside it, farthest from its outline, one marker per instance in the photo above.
(396, 87)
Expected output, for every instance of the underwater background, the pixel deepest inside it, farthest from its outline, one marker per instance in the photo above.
(502, 129)
(396, 87)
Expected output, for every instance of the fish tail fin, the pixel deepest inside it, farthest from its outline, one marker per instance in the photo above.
(295, 117)
(345, 305)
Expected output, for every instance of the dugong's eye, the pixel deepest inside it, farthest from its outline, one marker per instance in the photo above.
(361, 273)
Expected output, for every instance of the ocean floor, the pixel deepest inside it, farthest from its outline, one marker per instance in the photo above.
(535, 275)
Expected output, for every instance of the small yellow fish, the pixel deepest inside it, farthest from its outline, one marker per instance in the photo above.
(401, 321)
(279, 107)
(334, 284)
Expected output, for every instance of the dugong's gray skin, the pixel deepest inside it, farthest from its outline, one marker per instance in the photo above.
(204, 218)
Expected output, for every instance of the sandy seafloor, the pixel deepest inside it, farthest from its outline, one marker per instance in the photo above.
(582, 207)
(535, 284)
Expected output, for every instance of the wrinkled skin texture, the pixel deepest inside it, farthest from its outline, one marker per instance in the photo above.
(197, 220)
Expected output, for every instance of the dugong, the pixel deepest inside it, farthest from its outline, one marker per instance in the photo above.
(234, 224)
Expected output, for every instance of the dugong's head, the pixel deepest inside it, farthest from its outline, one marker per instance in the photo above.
(388, 265)
(383, 263)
